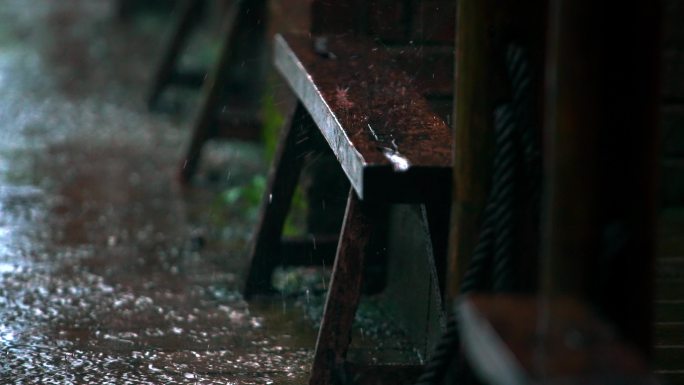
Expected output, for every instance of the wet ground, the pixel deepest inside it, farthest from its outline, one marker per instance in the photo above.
(110, 273)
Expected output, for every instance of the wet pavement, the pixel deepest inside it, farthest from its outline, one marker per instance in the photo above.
(110, 273)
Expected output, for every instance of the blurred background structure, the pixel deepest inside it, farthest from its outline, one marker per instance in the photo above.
(481, 192)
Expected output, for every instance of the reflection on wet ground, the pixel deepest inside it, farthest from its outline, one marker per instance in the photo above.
(109, 272)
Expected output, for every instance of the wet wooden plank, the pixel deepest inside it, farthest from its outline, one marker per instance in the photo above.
(389, 142)
(524, 340)
(431, 67)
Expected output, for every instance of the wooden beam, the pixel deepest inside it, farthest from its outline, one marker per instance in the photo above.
(484, 28)
(601, 131)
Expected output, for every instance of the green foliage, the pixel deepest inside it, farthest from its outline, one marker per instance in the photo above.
(299, 280)
(241, 201)
(296, 221)
(248, 195)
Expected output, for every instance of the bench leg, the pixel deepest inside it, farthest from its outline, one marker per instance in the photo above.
(207, 118)
(188, 13)
(344, 293)
(287, 166)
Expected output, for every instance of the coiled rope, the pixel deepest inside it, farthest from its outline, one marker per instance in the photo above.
(491, 267)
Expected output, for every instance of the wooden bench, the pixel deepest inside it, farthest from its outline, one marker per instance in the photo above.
(390, 145)
(187, 14)
(229, 108)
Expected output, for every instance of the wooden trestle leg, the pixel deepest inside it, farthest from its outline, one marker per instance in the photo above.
(208, 115)
(295, 141)
(344, 292)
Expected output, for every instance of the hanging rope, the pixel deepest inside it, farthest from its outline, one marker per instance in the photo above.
(491, 267)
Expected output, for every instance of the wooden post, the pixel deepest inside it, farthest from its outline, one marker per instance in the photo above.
(483, 30)
(472, 135)
(601, 131)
